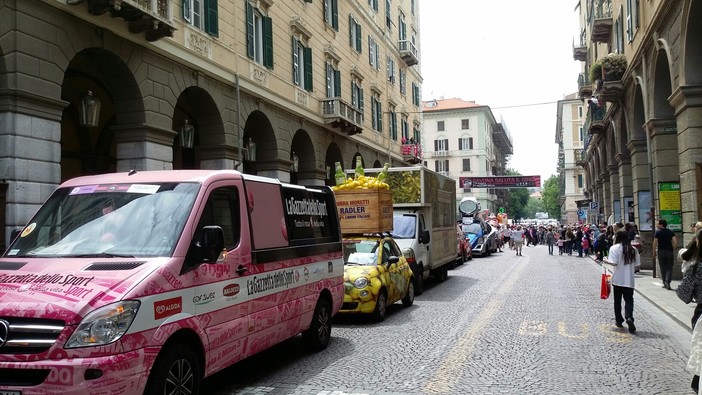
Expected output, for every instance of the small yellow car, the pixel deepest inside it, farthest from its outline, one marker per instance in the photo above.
(376, 275)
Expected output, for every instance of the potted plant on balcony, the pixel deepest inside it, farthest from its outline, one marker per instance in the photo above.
(613, 68)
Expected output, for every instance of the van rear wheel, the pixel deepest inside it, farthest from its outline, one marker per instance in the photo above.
(419, 283)
(177, 371)
(318, 335)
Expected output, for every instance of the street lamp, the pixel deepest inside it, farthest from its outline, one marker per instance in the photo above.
(89, 110)
(295, 162)
(187, 135)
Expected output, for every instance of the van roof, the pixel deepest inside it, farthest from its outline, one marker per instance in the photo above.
(158, 176)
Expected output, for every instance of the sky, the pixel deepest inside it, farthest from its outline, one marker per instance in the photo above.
(509, 55)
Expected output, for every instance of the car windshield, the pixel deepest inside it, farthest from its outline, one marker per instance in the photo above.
(403, 226)
(473, 228)
(361, 252)
(127, 220)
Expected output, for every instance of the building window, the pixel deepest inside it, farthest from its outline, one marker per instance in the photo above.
(580, 180)
(417, 134)
(580, 112)
(619, 32)
(465, 124)
(356, 95)
(580, 133)
(403, 80)
(392, 118)
(333, 81)
(466, 164)
(302, 65)
(464, 143)
(440, 126)
(391, 70)
(355, 34)
(373, 53)
(632, 22)
(202, 14)
(415, 95)
(470, 143)
(401, 27)
(388, 16)
(373, 5)
(376, 113)
(441, 145)
(412, 6)
(405, 128)
(259, 36)
(441, 166)
(331, 13)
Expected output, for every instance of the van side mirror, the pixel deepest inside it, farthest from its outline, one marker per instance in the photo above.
(211, 243)
(424, 236)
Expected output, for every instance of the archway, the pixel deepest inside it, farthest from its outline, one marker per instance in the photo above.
(260, 145)
(332, 156)
(196, 106)
(303, 158)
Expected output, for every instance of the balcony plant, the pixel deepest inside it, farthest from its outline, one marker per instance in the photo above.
(614, 66)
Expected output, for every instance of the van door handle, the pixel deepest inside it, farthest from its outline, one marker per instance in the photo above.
(240, 270)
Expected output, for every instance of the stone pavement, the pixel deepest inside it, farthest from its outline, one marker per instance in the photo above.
(651, 289)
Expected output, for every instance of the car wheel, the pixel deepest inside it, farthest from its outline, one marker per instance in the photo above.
(176, 371)
(408, 300)
(419, 282)
(464, 257)
(317, 337)
(380, 307)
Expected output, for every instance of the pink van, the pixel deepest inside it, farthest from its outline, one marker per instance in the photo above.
(149, 281)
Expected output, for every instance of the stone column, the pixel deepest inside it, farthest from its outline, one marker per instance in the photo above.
(217, 157)
(640, 181)
(625, 184)
(687, 101)
(614, 190)
(143, 147)
(30, 153)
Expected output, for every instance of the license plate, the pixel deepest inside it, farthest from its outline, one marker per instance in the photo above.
(5, 392)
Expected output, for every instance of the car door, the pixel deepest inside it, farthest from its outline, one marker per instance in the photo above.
(395, 280)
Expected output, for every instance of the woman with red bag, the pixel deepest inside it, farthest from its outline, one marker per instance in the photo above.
(625, 260)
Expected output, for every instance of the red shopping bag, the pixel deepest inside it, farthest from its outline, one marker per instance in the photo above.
(605, 287)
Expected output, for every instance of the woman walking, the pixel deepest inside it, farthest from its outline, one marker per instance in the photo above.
(550, 240)
(626, 260)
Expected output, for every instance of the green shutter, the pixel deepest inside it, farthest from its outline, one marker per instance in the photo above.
(249, 30)
(186, 10)
(295, 62)
(359, 43)
(380, 116)
(307, 53)
(360, 99)
(335, 15)
(352, 27)
(337, 83)
(267, 24)
(211, 18)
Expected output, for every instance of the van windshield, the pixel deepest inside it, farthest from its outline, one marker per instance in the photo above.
(403, 226)
(129, 220)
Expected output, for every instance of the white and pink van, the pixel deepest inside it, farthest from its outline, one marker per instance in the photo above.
(147, 282)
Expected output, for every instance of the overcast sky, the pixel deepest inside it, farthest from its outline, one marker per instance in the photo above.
(504, 53)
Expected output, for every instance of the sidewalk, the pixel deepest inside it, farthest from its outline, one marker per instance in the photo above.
(651, 289)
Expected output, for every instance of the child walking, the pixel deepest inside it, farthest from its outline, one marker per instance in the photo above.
(559, 243)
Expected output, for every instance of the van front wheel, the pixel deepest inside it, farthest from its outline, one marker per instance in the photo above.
(317, 337)
(177, 371)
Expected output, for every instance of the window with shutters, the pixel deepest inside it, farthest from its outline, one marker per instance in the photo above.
(465, 124)
(417, 133)
(391, 70)
(442, 166)
(373, 53)
(356, 95)
(466, 164)
(403, 84)
(440, 126)
(259, 36)
(355, 36)
(388, 15)
(470, 143)
(415, 95)
(580, 180)
(302, 65)
(405, 128)
(331, 13)
(202, 14)
(441, 145)
(376, 113)
(333, 80)
(401, 27)
(392, 118)
(373, 5)
(464, 143)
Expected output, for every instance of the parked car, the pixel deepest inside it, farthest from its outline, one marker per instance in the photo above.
(482, 236)
(376, 275)
(464, 251)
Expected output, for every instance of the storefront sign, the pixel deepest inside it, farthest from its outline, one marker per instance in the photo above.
(669, 204)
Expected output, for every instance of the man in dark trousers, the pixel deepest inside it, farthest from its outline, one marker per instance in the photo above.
(664, 244)
(577, 243)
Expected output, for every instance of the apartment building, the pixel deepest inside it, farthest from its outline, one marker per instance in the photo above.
(570, 137)
(276, 88)
(463, 139)
(641, 64)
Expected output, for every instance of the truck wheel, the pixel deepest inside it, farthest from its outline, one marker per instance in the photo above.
(419, 282)
(317, 337)
(176, 371)
(380, 307)
(442, 273)
(408, 300)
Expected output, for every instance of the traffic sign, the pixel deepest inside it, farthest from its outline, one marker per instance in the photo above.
(581, 213)
(593, 205)
(501, 210)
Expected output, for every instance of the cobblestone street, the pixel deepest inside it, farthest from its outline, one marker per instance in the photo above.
(533, 324)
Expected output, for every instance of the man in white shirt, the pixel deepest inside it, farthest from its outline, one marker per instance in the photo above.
(518, 239)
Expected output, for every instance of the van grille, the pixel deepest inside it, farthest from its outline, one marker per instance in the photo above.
(112, 266)
(11, 265)
(29, 335)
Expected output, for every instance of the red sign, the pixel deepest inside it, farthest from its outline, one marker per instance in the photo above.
(231, 290)
(168, 307)
(500, 182)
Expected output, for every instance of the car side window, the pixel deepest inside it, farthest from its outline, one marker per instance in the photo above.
(222, 209)
(386, 252)
(395, 248)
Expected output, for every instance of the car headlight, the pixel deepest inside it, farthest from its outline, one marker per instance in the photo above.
(481, 240)
(104, 325)
(360, 282)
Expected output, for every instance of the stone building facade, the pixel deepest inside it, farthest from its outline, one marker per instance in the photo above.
(282, 89)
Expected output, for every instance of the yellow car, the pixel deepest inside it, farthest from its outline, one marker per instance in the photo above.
(376, 275)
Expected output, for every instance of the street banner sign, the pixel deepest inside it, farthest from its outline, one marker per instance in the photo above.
(669, 204)
(500, 182)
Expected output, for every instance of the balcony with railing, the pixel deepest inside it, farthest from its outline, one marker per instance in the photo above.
(412, 153)
(601, 21)
(342, 115)
(502, 138)
(408, 52)
(579, 48)
(584, 86)
(580, 157)
(151, 17)
(596, 116)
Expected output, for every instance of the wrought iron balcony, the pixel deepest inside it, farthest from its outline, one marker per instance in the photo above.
(580, 157)
(408, 52)
(584, 86)
(412, 153)
(596, 115)
(151, 17)
(601, 22)
(580, 49)
(340, 114)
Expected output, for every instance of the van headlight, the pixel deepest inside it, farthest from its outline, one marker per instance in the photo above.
(360, 283)
(104, 325)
